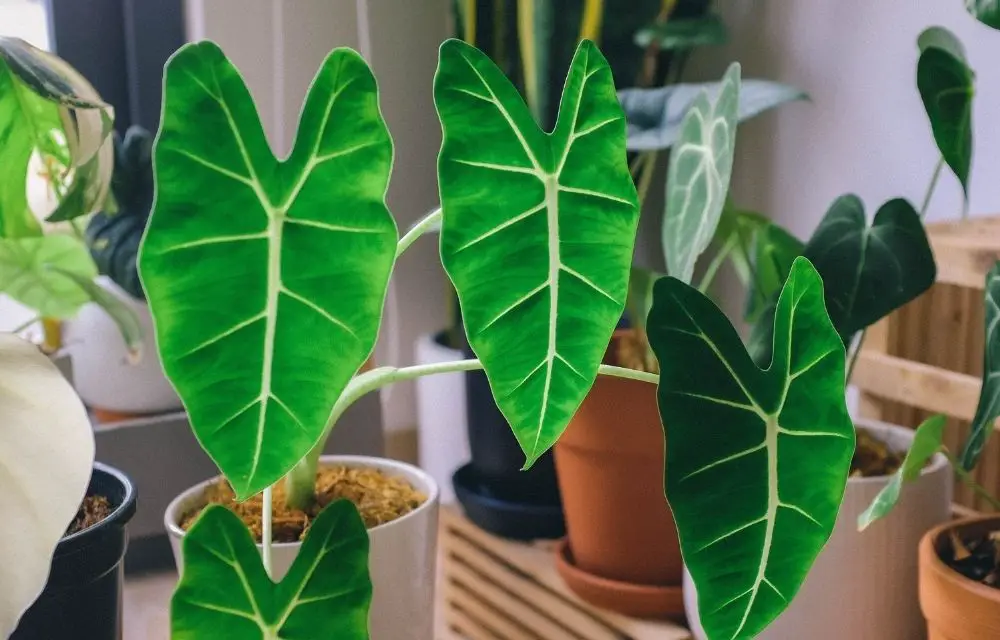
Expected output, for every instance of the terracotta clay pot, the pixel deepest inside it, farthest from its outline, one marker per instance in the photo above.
(619, 528)
(955, 607)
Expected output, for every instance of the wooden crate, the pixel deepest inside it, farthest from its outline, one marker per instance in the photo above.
(495, 589)
(927, 357)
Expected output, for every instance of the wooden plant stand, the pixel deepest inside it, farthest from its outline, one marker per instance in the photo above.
(927, 357)
(495, 589)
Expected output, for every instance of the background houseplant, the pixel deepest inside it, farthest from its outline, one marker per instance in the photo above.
(110, 383)
(54, 125)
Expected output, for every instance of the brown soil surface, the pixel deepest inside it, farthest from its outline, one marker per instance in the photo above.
(93, 510)
(872, 457)
(378, 497)
(977, 558)
(630, 349)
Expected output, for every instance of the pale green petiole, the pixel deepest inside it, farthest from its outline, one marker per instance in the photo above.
(300, 481)
(428, 223)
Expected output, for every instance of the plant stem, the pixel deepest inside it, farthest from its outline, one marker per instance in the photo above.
(969, 481)
(24, 325)
(646, 176)
(854, 356)
(266, 533)
(931, 187)
(301, 480)
(716, 264)
(426, 224)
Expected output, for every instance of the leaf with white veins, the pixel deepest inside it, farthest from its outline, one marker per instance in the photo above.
(538, 232)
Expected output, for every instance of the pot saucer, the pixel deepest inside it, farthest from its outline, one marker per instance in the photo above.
(503, 512)
(632, 600)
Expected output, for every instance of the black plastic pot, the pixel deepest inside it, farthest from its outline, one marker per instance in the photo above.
(83, 596)
(496, 494)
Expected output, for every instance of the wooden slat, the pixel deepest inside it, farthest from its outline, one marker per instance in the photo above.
(582, 624)
(520, 582)
(534, 623)
(468, 627)
(918, 385)
(961, 265)
(877, 341)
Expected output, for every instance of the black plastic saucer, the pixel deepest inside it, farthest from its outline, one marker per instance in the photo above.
(514, 514)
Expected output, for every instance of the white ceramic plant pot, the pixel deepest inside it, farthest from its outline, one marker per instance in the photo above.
(103, 375)
(402, 557)
(442, 423)
(863, 585)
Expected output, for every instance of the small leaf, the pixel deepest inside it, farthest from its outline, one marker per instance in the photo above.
(684, 33)
(946, 87)
(326, 593)
(986, 11)
(538, 232)
(655, 115)
(119, 312)
(265, 278)
(46, 458)
(926, 442)
(775, 249)
(33, 272)
(988, 409)
(758, 460)
(870, 271)
(698, 177)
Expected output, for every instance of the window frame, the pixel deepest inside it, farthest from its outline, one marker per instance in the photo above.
(120, 46)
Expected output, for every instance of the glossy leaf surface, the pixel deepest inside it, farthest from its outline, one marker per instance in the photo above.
(46, 457)
(698, 178)
(926, 442)
(986, 11)
(988, 409)
(33, 271)
(655, 115)
(870, 271)
(757, 460)
(266, 278)
(537, 234)
(946, 85)
(325, 594)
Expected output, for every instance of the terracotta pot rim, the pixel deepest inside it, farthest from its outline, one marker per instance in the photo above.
(931, 561)
(564, 560)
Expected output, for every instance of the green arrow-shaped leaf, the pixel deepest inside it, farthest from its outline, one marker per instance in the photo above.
(698, 178)
(986, 11)
(538, 231)
(870, 271)
(34, 271)
(926, 442)
(325, 594)
(988, 409)
(266, 279)
(757, 460)
(946, 87)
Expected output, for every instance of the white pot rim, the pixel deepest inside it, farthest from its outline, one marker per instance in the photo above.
(901, 433)
(423, 482)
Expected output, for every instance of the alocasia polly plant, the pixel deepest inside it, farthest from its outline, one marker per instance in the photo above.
(264, 342)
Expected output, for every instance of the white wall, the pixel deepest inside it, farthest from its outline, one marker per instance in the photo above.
(278, 45)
